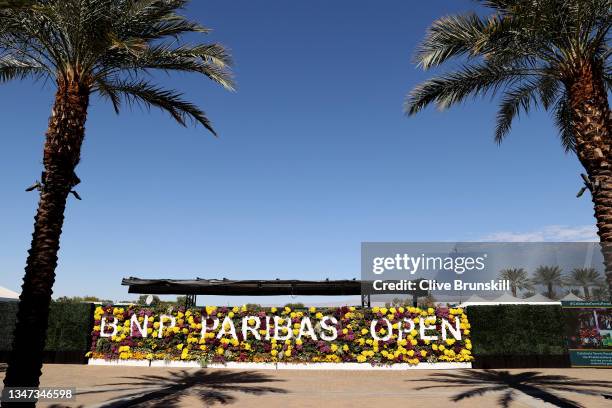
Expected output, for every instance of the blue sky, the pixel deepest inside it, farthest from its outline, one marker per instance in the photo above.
(314, 157)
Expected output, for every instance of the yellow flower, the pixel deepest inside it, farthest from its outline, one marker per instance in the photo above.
(203, 347)
(180, 346)
(273, 310)
(312, 309)
(274, 353)
(319, 315)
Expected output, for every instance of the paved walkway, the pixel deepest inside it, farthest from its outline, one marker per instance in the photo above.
(104, 386)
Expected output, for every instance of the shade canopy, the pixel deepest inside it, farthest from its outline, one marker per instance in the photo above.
(226, 287)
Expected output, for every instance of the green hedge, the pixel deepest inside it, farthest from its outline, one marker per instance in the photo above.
(69, 326)
(8, 311)
(505, 330)
(515, 330)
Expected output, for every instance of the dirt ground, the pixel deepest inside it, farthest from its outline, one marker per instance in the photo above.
(104, 386)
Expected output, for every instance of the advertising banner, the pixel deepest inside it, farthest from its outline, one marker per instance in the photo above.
(588, 331)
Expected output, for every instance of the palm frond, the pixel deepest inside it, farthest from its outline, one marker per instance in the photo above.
(14, 68)
(530, 48)
(511, 104)
(449, 37)
(521, 98)
(149, 95)
(109, 45)
(211, 60)
(454, 87)
(563, 121)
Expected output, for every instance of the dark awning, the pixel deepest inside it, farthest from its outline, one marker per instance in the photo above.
(228, 287)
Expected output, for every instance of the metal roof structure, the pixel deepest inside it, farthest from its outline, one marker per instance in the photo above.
(227, 287)
(276, 287)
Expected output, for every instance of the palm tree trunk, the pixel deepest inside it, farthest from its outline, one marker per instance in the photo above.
(62, 148)
(513, 289)
(592, 129)
(586, 292)
(550, 290)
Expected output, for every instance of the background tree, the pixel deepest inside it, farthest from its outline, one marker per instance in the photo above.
(584, 278)
(86, 47)
(142, 300)
(79, 299)
(601, 292)
(549, 276)
(518, 278)
(548, 53)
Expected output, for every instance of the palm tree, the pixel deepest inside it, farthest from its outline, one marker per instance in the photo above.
(551, 53)
(584, 277)
(549, 276)
(517, 277)
(88, 47)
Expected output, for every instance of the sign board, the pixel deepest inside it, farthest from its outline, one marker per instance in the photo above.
(377, 336)
(588, 333)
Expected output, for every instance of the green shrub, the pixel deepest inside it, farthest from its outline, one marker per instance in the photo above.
(69, 326)
(514, 330)
(8, 313)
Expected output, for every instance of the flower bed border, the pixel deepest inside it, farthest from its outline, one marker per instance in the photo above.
(280, 366)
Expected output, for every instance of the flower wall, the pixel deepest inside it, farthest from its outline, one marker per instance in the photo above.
(243, 334)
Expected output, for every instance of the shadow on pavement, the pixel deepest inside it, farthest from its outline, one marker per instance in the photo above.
(510, 385)
(209, 387)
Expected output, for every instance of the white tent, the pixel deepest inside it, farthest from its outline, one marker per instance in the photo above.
(539, 299)
(505, 299)
(570, 297)
(508, 299)
(8, 295)
(475, 300)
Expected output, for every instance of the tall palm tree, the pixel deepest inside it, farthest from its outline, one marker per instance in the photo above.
(549, 276)
(584, 277)
(517, 277)
(548, 53)
(88, 47)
